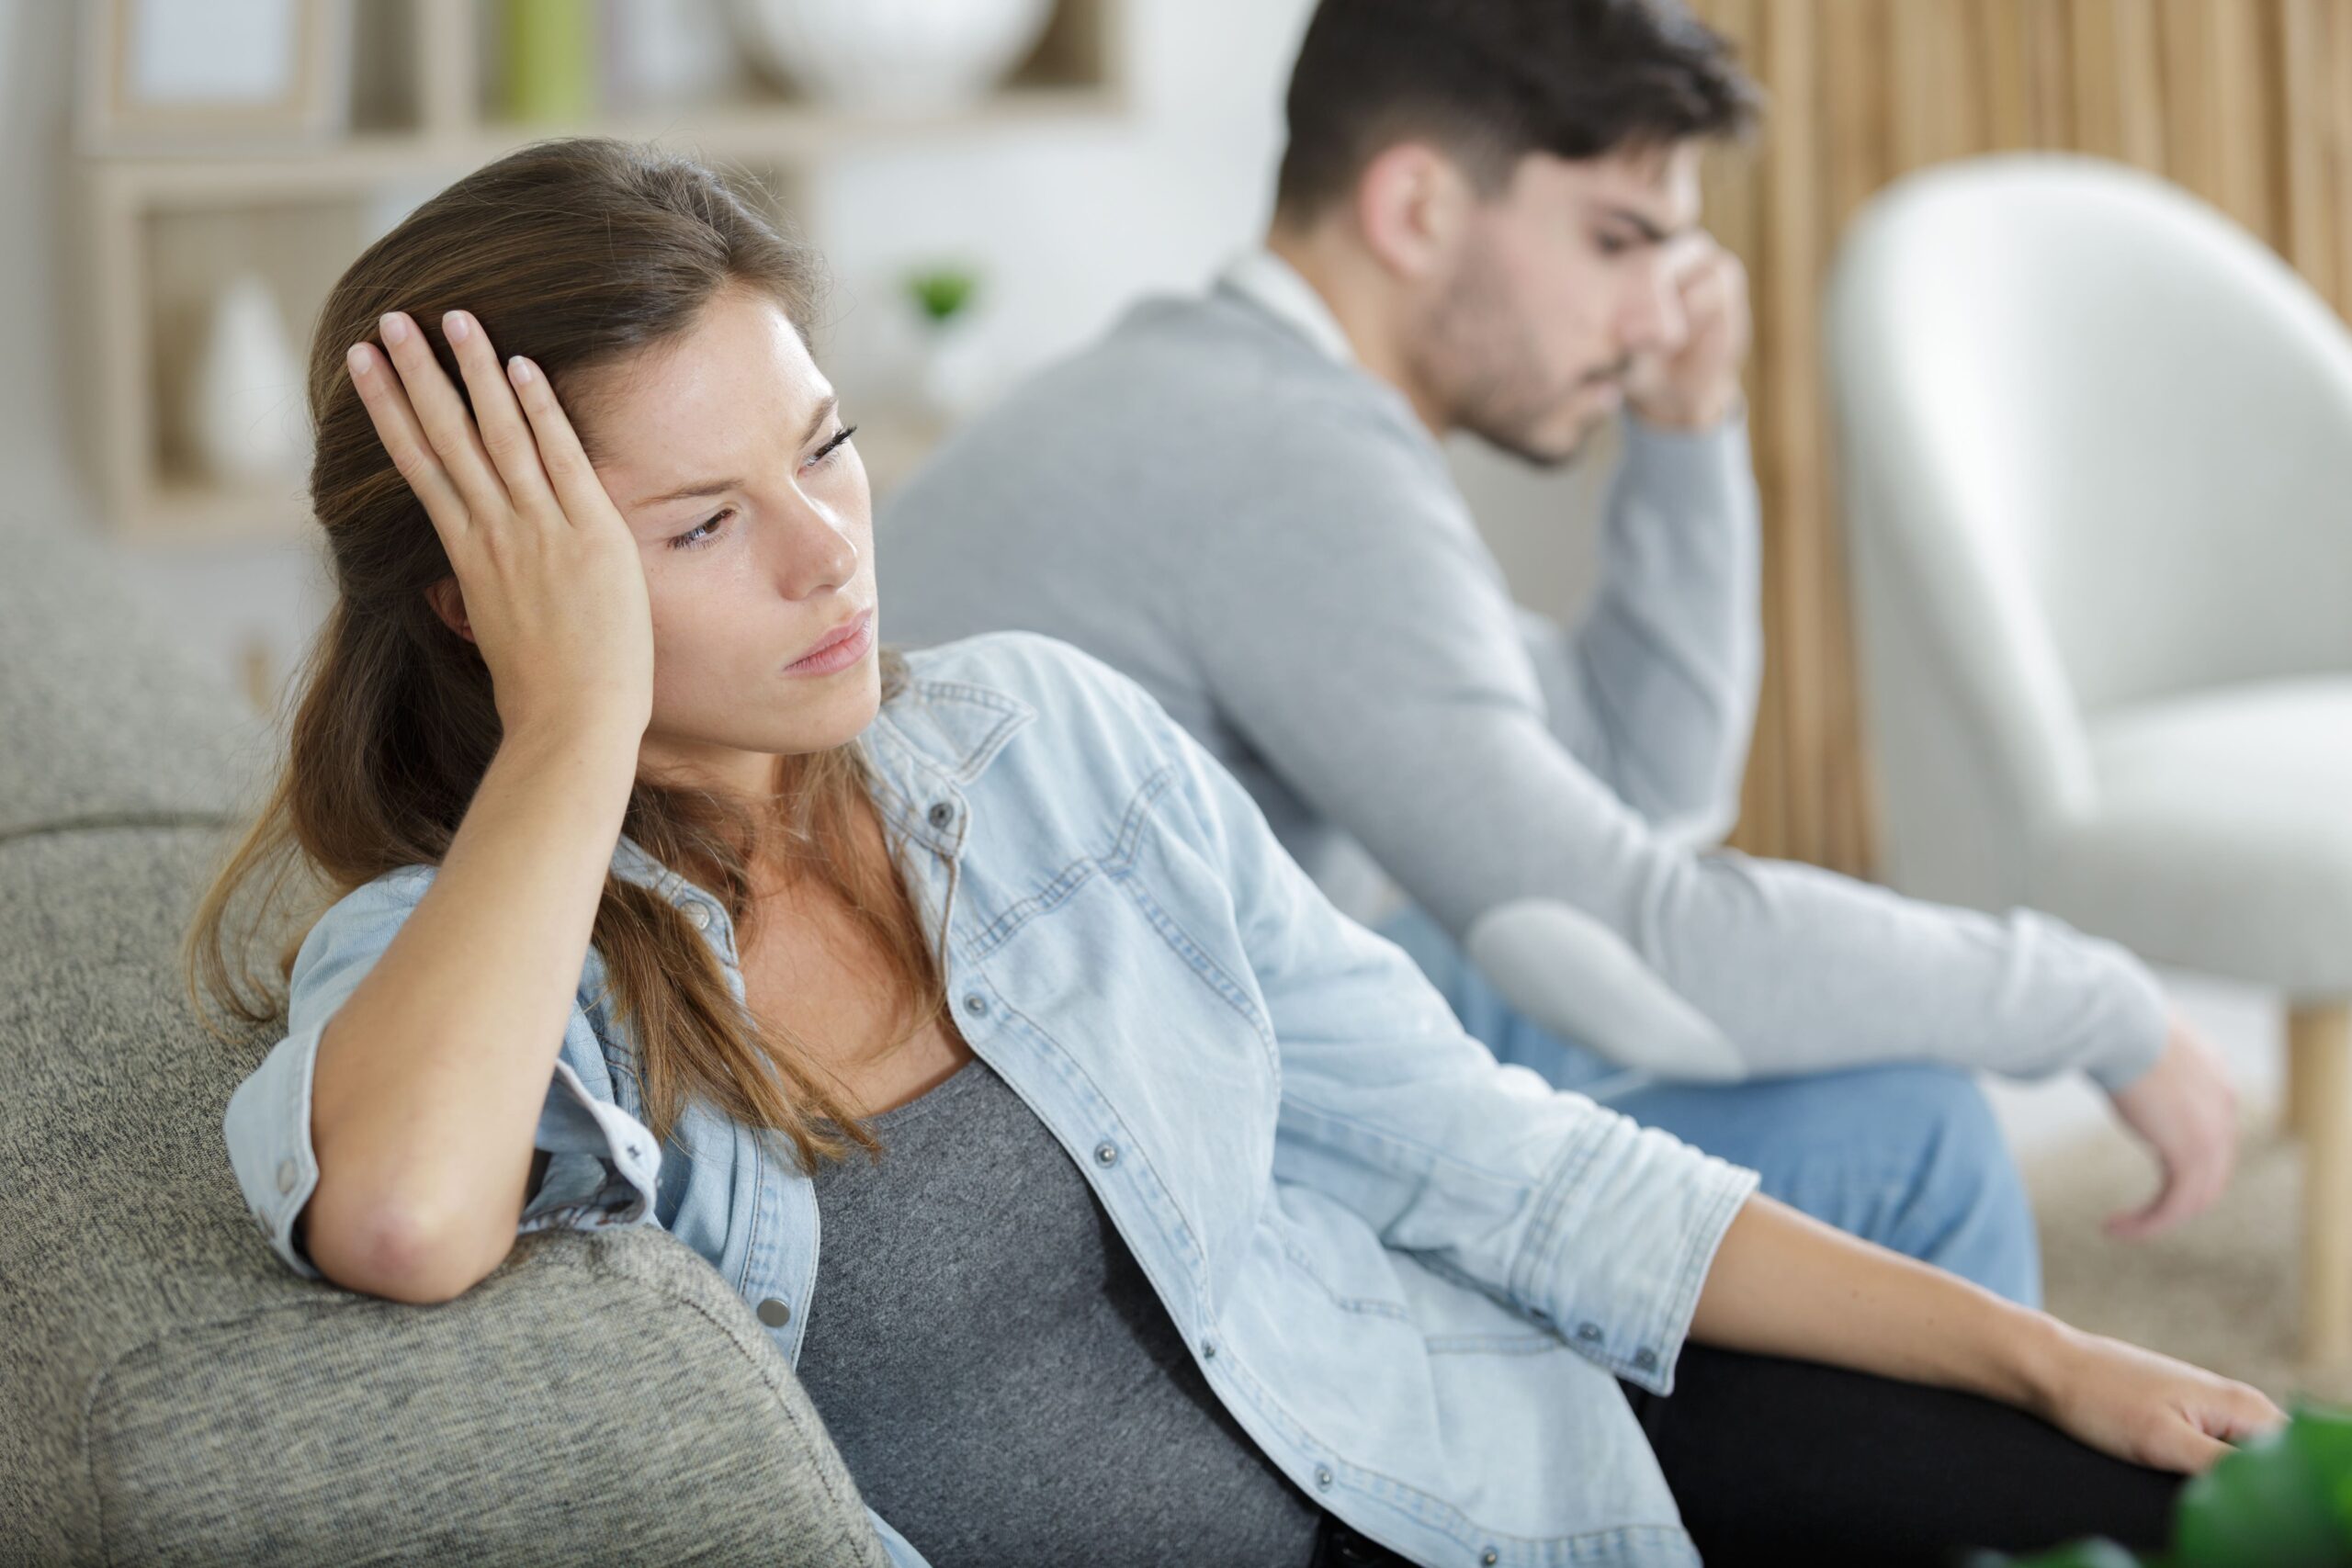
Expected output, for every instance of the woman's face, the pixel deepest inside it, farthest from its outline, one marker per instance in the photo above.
(725, 455)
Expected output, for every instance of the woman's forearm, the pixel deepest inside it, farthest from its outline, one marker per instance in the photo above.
(1785, 1284)
(431, 1076)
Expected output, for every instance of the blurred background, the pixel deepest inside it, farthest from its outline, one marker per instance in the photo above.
(1056, 156)
(992, 181)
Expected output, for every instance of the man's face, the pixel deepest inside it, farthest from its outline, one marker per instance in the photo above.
(1557, 283)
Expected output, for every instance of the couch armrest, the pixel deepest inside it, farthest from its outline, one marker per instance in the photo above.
(599, 1397)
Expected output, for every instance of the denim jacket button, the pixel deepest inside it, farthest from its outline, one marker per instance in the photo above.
(775, 1314)
(287, 1176)
(942, 814)
(1490, 1557)
(1323, 1478)
(1588, 1332)
(976, 1004)
(1208, 1349)
(698, 916)
(1106, 1154)
(1645, 1359)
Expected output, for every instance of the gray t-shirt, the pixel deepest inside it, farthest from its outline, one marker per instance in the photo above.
(1265, 537)
(997, 1371)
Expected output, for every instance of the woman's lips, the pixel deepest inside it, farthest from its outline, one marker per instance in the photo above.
(840, 648)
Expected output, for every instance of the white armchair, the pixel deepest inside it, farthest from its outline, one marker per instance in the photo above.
(2096, 461)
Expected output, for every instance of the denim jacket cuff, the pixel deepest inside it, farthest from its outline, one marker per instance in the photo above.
(1626, 1242)
(601, 1161)
(1727, 1187)
(267, 1125)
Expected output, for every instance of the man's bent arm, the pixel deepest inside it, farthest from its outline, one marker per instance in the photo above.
(1370, 653)
(1655, 689)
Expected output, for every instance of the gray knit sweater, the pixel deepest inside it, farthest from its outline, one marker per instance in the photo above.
(1213, 500)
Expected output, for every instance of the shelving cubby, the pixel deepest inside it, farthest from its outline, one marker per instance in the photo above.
(161, 227)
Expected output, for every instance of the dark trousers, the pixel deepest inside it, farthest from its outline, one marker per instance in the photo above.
(1778, 1462)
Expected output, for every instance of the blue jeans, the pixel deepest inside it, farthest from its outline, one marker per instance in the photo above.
(1907, 1156)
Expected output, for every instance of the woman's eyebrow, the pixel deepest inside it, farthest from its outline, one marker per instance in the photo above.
(718, 487)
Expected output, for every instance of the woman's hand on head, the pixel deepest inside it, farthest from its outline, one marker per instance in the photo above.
(2148, 1408)
(552, 589)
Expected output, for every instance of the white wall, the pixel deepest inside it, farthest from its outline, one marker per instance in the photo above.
(32, 427)
(1070, 223)
(1071, 227)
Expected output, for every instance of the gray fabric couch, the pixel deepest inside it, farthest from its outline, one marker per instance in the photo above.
(169, 1391)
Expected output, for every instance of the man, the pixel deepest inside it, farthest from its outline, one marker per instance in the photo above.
(1486, 221)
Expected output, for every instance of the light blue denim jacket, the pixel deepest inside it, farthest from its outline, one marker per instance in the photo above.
(1410, 1273)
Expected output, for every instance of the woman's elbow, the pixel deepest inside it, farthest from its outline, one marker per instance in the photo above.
(399, 1254)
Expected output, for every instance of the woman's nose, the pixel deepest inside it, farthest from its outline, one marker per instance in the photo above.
(815, 550)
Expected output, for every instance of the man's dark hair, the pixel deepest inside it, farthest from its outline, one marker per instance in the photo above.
(1488, 81)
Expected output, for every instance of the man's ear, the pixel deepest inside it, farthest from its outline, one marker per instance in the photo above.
(448, 602)
(1410, 206)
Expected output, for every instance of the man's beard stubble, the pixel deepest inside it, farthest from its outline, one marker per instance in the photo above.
(1473, 352)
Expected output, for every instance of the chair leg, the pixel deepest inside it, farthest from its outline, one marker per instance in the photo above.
(2320, 1043)
(2304, 1043)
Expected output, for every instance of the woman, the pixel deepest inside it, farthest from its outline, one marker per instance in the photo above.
(1200, 1232)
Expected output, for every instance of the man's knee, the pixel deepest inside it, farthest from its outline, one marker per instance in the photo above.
(1967, 1209)
(1948, 1114)
(1910, 1157)
(1936, 1120)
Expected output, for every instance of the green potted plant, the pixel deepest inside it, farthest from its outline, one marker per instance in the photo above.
(951, 372)
(2283, 1500)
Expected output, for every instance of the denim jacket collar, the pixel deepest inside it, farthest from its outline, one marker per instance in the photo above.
(930, 742)
(925, 743)
(1411, 1277)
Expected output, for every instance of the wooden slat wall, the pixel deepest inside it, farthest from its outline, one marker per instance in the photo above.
(2247, 103)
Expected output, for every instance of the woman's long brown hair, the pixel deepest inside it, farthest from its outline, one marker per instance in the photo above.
(577, 253)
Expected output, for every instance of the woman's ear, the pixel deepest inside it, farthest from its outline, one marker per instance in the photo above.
(448, 602)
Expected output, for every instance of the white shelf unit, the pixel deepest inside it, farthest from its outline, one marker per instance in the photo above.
(159, 232)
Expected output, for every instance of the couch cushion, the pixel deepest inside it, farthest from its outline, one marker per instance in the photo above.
(602, 1397)
(102, 715)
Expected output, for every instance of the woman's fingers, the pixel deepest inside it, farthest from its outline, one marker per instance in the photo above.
(447, 426)
(577, 490)
(2246, 1412)
(2192, 1453)
(2144, 1407)
(404, 439)
(514, 452)
(2202, 1424)
(505, 436)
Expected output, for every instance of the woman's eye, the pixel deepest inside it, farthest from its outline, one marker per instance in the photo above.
(1611, 245)
(701, 533)
(824, 453)
(704, 533)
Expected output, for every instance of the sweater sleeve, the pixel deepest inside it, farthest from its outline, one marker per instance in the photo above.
(1655, 689)
(1358, 634)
